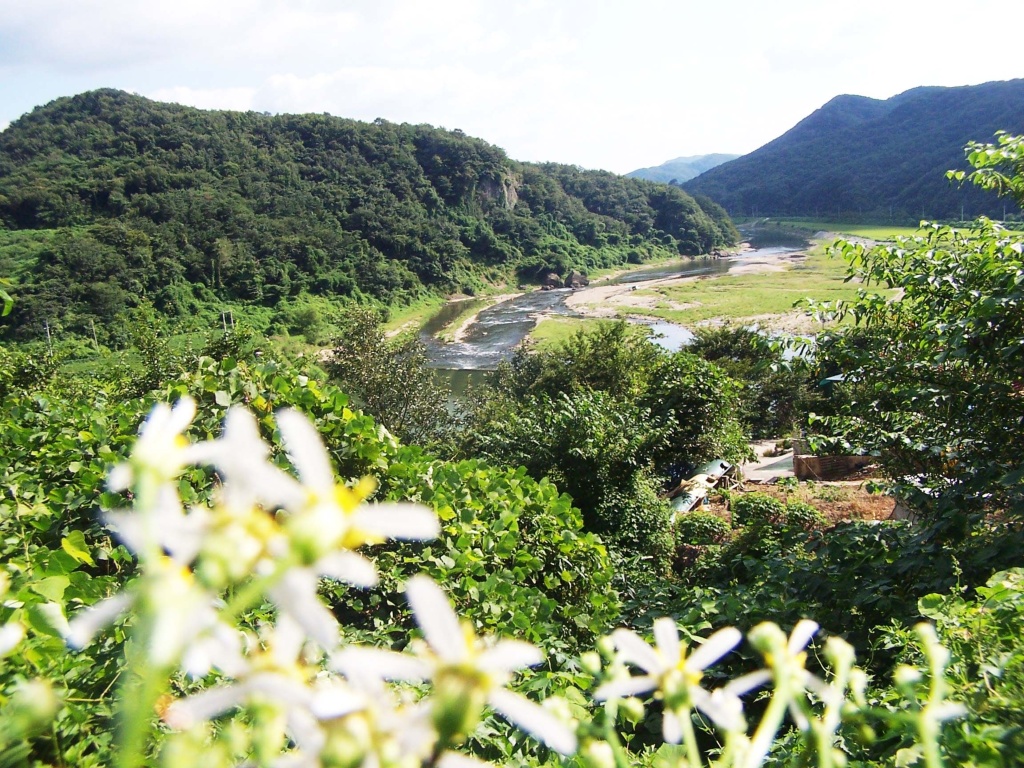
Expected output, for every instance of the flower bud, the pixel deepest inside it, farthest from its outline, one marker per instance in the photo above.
(591, 662)
(632, 709)
(598, 754)
(32, 706)
(459, 703)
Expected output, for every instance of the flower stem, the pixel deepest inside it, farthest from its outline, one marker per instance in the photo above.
(766, 730)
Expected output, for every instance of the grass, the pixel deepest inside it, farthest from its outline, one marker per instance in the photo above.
(752, 297)
(414, 314)
(878, 232)
(552, 331)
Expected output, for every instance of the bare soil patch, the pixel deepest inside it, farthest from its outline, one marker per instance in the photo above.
(838, 501)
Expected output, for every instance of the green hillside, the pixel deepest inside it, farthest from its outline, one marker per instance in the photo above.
(864, 157)
(107, 198)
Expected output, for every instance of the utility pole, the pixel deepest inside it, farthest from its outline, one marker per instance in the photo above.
(95, 341)
(49, 341)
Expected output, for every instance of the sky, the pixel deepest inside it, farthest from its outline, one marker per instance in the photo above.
(611, 84)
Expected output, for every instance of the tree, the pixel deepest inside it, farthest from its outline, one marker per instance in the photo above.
(389, 380)
(936, 378)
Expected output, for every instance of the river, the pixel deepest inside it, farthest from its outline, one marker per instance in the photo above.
(499, 329)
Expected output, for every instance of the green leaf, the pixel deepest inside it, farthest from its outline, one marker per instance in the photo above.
(51, 587)
(75, 545)
(222, 398)
(47, 619)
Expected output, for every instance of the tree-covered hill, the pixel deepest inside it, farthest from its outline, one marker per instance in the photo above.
(128, 198)
(861, 156)
(682, 168)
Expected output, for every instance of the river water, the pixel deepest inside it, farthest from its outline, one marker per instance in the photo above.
(499, 329)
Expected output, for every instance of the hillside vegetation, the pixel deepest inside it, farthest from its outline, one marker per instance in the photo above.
(875, 159)
(107, 198)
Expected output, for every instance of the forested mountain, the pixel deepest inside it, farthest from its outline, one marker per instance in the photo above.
(682, 168)
(861, 156)
(107, 197)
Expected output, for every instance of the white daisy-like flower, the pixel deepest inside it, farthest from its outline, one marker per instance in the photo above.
(675, 675)
(324, 523)
(277, 673)
(466, 672)
(185, 624)
(162, 449)
(786, 659)
(332, 516)
(242, 459)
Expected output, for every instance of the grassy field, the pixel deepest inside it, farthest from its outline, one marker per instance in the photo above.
(759, 296)
(878, 232)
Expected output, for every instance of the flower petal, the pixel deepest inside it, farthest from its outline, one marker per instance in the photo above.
(355, 662)
(296, 595)
(630, 686)
(801, 635)
(459, 760)
(436, 618)
(350, 567)
(86, 624)
(714, 648)
(10, 635)
(746, 683)
(633, 650)
(412, 522)
(306, 450)
(671, 728)
(206, 705)
(724, 710)
(534, 719)
(666, 638)
(510, 655)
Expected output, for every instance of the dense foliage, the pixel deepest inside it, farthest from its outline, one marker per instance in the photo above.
(610, 417)
(883, 160)
(110, 198)
(777, 394)
(934, 379)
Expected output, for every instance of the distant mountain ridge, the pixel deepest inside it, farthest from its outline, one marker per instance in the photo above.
(870, 157)
(681, 168)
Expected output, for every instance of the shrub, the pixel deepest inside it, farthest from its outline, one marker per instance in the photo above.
(757, 509)
(800, 514)
(701, 528)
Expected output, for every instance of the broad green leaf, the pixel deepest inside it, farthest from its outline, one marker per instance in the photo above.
(75, 545)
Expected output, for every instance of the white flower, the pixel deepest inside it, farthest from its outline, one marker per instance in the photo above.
(184, 625)
(324, 523)
(162, 450)
(10, 635)
(242, 458)
(466, 673)
(332, 516)
(785, 659)
(675, 675)
(162, 528)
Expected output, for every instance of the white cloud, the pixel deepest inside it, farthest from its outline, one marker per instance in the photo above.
(600, 83)
(240, 99)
